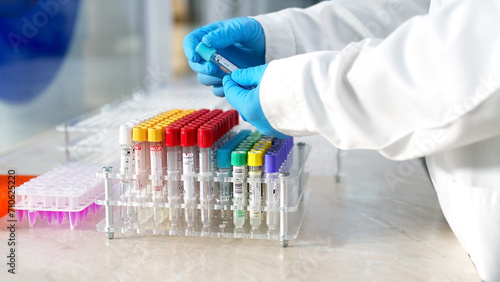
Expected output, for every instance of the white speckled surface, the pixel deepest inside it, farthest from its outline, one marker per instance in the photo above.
(358, 230)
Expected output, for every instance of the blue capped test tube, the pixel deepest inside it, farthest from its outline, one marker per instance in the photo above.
(211, 55)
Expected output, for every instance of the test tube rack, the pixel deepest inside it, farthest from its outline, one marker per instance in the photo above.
(293, 196)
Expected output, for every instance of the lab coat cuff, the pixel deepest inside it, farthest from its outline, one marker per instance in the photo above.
(278, 100)
(280, 38)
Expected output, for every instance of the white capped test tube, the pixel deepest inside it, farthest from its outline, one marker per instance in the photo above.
(255, 162)
(127, 168)
(239, 163)
(155, 138)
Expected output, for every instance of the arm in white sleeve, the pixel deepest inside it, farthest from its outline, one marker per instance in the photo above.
(436, 78)
(331, 25)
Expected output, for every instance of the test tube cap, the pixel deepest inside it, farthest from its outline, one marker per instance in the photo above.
(224, 158)
(271, 163)
(205, 137)
(155, 134)
(188, 136)
(255, 158)
(266, 143)
(125, 134)
(139, 134)
(238, 158)
(245, 148)
(243, 134)
(204, 51)
(259, 147)
(172, 136)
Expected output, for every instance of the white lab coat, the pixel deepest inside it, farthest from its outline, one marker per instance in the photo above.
(427, 85)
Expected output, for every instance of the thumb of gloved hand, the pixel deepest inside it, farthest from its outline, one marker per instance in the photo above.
(241, 89)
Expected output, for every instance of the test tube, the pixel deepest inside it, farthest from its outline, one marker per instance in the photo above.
(255, 162)
(239, 163)
(207, 195)
(271, 175)
(127, 167)
(174, 154)
(155, 138)
(225, 188)
(141, 146)
(189, 156)
(211, 55)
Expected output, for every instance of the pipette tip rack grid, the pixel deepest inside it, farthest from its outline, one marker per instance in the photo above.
(66, 192)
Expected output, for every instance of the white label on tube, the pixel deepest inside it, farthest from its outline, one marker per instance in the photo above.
(254, 193)
(188, 163)
(126, 159)
(225, 63)
(188, 168)
(179, 161)
(238, 189)
(139, 166)
(156, 158)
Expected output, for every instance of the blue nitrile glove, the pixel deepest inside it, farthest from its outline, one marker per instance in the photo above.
(240, 40)
(246, 100)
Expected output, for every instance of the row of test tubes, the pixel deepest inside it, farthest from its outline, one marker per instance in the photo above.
(166, 146)
(185, 164)
(254, 164)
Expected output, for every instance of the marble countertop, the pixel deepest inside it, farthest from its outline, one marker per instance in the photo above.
(360, 229)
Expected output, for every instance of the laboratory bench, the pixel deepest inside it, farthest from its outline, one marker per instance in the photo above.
(365, 227)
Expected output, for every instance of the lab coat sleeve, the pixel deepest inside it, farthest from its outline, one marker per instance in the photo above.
(331, 25)
(431, 85)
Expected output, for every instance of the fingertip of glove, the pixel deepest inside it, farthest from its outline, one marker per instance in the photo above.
(236, 74)
(195, 58)
(218, 91)
(207, 39)
(225, 79)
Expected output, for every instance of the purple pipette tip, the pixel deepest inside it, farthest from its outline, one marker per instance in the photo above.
(20, 215)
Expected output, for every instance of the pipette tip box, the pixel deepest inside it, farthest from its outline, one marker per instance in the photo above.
(66, 192)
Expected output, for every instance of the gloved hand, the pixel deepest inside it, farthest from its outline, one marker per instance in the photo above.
(246, 100)
(240, 40)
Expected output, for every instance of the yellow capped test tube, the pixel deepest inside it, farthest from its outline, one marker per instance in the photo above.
(255, 162)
